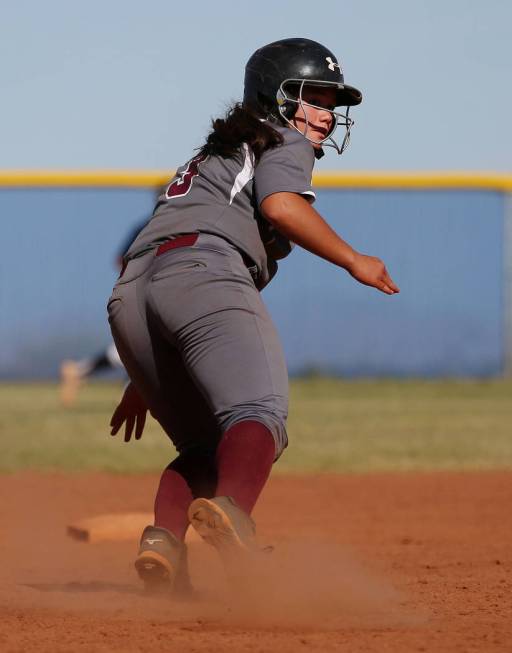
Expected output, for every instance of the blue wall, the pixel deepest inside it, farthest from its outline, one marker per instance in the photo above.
(443, 248)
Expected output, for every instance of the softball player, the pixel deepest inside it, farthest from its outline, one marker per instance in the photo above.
(187, 316)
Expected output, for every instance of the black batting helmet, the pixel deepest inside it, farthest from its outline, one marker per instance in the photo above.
(276, 74)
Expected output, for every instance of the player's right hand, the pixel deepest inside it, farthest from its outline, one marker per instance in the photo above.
(371, 271)
(132, 410)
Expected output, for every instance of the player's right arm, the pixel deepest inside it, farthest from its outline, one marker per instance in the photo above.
(131, 411)
(294, 217)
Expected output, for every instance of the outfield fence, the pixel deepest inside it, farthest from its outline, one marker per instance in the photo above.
(445, 237)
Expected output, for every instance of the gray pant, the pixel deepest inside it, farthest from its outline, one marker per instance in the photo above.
(199, 344)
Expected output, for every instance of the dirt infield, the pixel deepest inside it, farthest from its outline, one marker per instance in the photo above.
(362, 563)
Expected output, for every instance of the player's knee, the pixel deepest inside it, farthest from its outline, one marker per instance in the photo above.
(272, 417)
(278, 429)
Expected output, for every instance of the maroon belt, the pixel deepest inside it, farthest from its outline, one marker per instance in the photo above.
(187, 240)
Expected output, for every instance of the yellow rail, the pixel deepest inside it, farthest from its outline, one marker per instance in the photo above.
(415, 180)
(150, 178)
(83, 178)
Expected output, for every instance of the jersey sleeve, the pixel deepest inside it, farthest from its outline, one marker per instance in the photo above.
(286, 168)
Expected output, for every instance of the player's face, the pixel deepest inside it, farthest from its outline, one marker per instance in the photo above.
(317, 122)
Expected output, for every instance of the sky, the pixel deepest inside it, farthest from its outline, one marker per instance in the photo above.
(124, 84)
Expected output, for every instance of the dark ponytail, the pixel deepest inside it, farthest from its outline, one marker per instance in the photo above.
(238, 126)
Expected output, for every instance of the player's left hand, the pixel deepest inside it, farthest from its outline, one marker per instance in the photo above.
(132, 410)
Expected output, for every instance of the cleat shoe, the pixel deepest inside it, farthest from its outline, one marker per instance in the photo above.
(226, 527)
(160, 559)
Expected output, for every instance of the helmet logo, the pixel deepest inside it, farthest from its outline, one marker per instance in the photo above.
(280, 97)
(332, 64)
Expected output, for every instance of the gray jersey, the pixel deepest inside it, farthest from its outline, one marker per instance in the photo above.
(221, 196)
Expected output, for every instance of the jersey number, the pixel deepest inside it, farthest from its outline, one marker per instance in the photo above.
(183, 182)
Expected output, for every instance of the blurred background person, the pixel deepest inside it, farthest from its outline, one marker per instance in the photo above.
(73, 372)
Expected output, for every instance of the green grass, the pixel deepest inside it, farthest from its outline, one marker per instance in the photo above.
(335, 426)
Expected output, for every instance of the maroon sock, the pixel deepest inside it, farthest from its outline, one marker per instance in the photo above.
(244, 459)
(171, 503)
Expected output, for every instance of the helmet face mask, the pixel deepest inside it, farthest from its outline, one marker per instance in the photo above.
(289, 102)
(275, 77)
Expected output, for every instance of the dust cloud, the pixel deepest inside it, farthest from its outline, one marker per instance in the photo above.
(310, 584)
